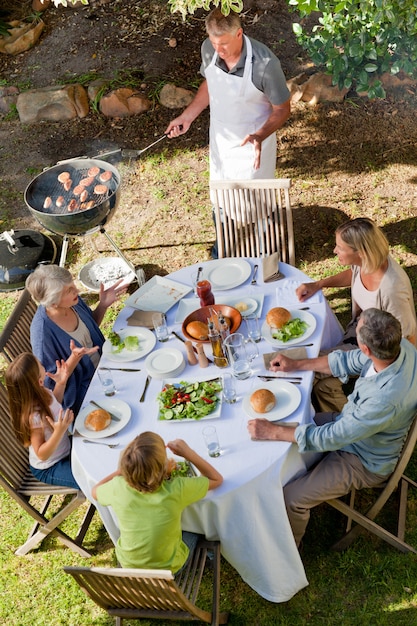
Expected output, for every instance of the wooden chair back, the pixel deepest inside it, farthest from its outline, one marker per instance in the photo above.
(366, 520)
(15, 336)
(254, 218)
(154, 594)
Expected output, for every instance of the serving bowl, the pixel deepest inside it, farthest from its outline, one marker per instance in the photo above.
(203, 314)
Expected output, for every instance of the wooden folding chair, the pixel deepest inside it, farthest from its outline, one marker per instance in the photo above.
(254, 218)
(154, 594)
(367, 520)
(15, 475)
(15, 336)
(22, 486)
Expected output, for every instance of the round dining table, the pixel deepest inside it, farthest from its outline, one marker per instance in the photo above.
(247, 512)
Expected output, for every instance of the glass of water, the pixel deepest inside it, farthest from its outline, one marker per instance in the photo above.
(212, 441)
(106, 379)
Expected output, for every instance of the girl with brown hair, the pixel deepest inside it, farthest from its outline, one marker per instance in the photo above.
(39, 421)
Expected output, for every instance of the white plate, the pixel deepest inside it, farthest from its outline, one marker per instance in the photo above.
(305, 317)
(165, 362)
(287, 395)
(211, 416)
(147, 341)
(158, 294)
(251, 303)
(108, 271)
(227, 273)
(118, 407)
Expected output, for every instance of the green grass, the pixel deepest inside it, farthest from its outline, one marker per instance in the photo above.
(371, 584)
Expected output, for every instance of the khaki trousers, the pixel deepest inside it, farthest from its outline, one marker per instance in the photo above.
(333, 477)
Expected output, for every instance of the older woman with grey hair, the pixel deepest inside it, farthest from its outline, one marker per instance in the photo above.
(65, 328)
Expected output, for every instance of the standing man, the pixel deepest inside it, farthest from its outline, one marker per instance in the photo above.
(248, 97)
(364, 441)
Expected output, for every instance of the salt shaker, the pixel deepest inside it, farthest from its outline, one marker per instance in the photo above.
(192, 359)
(202, 359)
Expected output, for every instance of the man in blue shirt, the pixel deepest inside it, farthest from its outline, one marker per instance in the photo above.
(364, 441)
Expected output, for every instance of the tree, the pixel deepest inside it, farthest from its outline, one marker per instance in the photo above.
(358, 40)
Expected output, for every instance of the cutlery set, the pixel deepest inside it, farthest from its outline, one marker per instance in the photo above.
(296, 380)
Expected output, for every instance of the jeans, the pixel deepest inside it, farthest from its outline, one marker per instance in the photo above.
(58, 474)
(191, 540)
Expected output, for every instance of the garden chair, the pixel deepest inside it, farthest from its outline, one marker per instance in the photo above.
(253, 218)
(15, 475)
(367, 520)
(154, 594)
(23, 487)
(15, 336)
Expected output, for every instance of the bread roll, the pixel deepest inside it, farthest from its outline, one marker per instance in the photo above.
(277, 317)
(262, 400)
(97, 420)
(197, 330)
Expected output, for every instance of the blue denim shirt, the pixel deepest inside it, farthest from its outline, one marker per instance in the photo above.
(375, 421)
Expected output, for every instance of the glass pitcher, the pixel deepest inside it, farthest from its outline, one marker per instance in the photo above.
(240, 353)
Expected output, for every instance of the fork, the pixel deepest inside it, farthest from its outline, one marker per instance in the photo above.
(255, 270)
(101, 443)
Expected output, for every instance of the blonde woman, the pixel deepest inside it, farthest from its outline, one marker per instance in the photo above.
(148, 503)
(376, 281)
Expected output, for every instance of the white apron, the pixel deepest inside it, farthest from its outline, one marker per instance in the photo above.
(237, 109)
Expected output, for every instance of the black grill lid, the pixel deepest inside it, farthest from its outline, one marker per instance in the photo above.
(20, 253)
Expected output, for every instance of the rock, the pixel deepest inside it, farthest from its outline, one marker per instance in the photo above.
(393, 81)
(41, 5)
(21, 37)
(317, 88)
(8, 97)
(123, 102)
(173, 97)
(52, 104)
(95, 87)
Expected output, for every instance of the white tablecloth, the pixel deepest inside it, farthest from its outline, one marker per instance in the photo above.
(247, 513)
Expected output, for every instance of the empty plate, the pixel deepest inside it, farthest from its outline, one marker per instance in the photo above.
(166, 362)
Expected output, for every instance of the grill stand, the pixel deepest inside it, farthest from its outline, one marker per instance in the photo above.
(139, 273)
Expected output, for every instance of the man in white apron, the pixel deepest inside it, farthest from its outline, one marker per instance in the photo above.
(248, 97)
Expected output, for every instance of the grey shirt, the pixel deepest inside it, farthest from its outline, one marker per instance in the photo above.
(267, 74)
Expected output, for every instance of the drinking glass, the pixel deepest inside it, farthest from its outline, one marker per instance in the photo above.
(229, 388)
(253, 328)
(106, 379)
(160, 325)
(212, 441)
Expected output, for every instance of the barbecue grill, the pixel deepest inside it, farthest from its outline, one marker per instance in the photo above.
(66, 213)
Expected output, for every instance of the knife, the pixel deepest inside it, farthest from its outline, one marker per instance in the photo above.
(200, 269)
(112, 415)
(148, 380)
(120, 369)
(183, 341)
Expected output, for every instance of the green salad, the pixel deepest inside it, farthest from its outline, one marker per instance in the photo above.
(188, 400)
(128, 343)
(184, 469)
(291, 330)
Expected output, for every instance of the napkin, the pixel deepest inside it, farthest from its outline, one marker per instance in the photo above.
(293, 353)
(141, 318)
(270, 268)
(286, 295)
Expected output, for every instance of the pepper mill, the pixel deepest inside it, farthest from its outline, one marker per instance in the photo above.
(192, 359)
(202, 359)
